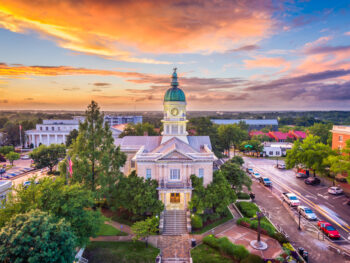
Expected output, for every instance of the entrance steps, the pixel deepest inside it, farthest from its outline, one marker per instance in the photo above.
(175, 222)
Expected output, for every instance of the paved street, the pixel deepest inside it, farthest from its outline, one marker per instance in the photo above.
(327, 207)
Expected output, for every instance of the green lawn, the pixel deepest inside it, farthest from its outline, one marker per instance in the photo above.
(119, 252)
(122, 220)
(108, 230)
(205, 254)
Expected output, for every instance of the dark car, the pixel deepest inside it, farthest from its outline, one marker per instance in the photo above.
(312, 181)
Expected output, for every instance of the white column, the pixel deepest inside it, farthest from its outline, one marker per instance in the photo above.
(56, 138)
(40, 139)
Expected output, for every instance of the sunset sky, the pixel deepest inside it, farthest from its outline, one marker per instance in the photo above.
(230, 54)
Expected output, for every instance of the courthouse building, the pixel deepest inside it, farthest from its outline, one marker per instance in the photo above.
(173, 157)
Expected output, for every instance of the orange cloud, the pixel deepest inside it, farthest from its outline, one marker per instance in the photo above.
(263, 62)
(123, 29)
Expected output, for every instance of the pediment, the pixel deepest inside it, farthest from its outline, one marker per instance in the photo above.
(175, 155)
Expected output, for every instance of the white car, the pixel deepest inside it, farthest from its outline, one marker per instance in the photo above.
(25, 157)
(256, 175)
(307, 212)
(335, 190)
(291, 199)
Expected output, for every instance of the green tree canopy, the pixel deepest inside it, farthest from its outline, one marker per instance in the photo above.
(137, 195)
(340, 163)
(48, 156)
(96, 160)
(70, 202)
(138, 129)
(12, 134)
(146, 228)
(36, 236)
(235, 175)
(231, 135)
(322, 130)
(73, 134)
(6, 149)
(12, 156)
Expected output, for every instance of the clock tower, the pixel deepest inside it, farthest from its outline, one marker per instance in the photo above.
(174, 121)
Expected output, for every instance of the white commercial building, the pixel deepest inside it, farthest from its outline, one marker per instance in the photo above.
(52, 131)
(5, 187)
(116, 120)
(276, 148)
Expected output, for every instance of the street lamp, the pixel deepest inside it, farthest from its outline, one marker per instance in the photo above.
(258, 244)
(299, 228)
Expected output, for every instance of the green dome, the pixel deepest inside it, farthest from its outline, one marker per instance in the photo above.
(174, 93)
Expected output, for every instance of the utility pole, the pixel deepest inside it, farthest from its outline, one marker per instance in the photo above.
(299, 228)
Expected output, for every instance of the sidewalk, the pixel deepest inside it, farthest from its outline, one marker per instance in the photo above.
(318, 250)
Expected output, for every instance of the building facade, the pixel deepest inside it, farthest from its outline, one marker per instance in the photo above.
(340, 134)
(173, 157)
(52, 131)
(116, 120)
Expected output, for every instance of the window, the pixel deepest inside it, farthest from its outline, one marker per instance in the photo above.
(47, 128)
(174, 174)
(148, 173)
(132, 164)
(340, 138)
(41, 128)
(200, 172)
(277, 153)
(174, 129)
(271, 153)
(167, 129)
(52, 128)
(59, 128)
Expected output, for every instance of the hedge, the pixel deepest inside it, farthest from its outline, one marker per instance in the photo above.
(248, 209)
(226, 247)
(252, 258)
(196, 221)
(242, 195)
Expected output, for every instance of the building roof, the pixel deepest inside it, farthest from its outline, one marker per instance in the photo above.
(150, 143)
(120, 127)
(278, 135)
(255, 133)
(300, 134)
(341, 129)
(247, 121)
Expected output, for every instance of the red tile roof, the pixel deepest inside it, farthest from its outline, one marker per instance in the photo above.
(255, 133)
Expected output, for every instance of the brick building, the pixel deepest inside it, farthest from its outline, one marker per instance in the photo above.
(340, 134)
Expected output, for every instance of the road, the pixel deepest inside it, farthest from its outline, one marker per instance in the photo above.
(327, 207)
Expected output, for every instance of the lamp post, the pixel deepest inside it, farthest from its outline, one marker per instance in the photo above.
(258, 244)
(299, 228)
(277, 161)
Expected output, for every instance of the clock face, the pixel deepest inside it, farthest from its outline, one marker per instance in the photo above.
(174, 111)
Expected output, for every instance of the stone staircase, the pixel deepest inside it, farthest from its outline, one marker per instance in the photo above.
(175, 222)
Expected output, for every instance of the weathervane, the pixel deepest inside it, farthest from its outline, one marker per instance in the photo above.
(175, 69)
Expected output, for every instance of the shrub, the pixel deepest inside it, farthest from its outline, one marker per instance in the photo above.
(264, 225)
(280, 237)
(252, 258)
(226, 246)
(248, 209)
(242, 195)
(211, 241)
(196, 221)
(240, 252)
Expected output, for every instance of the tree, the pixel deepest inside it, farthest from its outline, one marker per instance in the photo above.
(235, 175)
(252, 146)
(71, 137)
(311, 153)
(36, 237)
(12, 156)
(340, 163)
(323, 131)
(12, 136)
(3, 121)
(138, 129)
(96, 160)
(48, 156)
(6, 149)
(69, 202)
(146, 228)
(137, 195)
(231, 135)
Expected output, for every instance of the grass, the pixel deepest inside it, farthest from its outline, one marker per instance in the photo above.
(214, 224)
(122, 220)
(120, 252)
(205, 254)
(108, 230)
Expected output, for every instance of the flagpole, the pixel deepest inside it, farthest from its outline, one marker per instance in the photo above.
(20, 135)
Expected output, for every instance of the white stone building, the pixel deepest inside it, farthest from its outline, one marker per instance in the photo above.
(52, 131)
(272, 149)
(173, 157)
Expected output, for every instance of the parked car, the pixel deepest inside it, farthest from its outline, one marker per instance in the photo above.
(25, 157)
(335, 190)
(312, 181)
(328, 229)
(265, 181)
(250, 170)
(291, 199)
(307, 212)
(301, 175)
(281, 166)
(256, 175)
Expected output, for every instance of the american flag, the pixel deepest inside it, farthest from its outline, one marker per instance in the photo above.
(70, 166)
